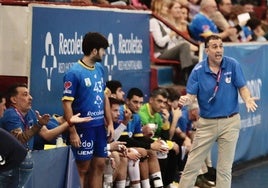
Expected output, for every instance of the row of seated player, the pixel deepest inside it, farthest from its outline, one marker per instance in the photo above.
(162, 118)
(154, 145)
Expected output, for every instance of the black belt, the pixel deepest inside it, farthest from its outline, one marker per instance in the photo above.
(222, 117)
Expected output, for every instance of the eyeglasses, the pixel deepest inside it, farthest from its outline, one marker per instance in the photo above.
(216, 87)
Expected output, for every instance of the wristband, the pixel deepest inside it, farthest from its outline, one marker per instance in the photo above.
(108, 147)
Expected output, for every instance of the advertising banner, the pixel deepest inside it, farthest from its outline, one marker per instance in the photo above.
(57, 34)
(252, 141)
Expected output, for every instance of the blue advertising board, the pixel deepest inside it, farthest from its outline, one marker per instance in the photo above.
(252, 142)
(57, 34)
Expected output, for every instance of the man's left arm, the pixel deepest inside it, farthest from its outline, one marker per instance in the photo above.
(108, 118)
(248, 99)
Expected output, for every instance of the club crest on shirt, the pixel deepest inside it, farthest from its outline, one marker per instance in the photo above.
(228, 79)
(67, 86)
(87, 82)
(130, 134)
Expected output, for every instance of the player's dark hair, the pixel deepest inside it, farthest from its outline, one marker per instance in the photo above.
(93, 40)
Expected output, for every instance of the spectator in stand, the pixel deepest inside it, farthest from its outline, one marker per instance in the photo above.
(183, 21)
(138, 4)
(248, 6)
(147, 3)
(225, 6)
(167, 45)
(221, 17)
(244, 35)
(178, 16)
(155, 121)
(194, 8)
(264, 21)
(202, 26)
(257, 32)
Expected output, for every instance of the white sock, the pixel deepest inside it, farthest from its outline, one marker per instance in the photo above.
(134, 170)
(158, 182)
(120, 184)
(138, 185)
(156, 174)
(145, 183)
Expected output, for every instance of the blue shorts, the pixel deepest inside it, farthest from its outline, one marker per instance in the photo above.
(93, 143)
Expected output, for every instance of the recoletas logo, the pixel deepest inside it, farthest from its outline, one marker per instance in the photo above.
(110, 59)
(49, 61)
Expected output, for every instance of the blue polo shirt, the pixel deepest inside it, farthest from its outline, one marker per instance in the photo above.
(202, 82)
(134, 126)
(12, 120)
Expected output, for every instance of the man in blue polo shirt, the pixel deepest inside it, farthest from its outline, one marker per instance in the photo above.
(215, 82)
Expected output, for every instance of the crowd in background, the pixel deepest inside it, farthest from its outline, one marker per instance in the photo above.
(179, 26)
(155, 135)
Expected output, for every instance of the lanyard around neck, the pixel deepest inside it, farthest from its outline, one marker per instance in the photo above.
(26, 126)
(216, 87)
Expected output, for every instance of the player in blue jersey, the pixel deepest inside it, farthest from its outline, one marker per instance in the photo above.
(149, 167)
(114, 90)
(84, 93)
(215, 82)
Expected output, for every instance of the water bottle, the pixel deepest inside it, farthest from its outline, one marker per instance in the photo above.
(59, 142)
(163, 155)
(108, 174)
